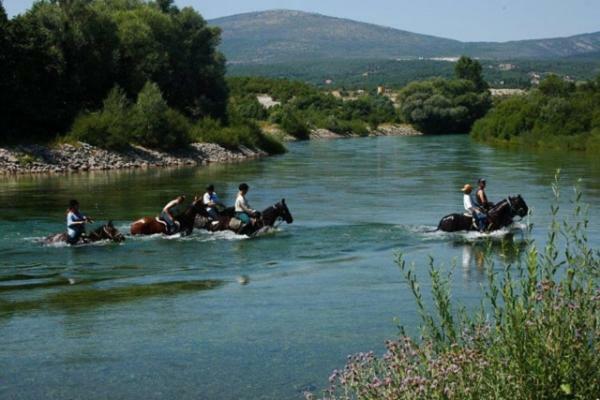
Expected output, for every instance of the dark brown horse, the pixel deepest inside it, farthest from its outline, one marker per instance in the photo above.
(500, 216)
(105, 232)
(227, 221)
(185, 221)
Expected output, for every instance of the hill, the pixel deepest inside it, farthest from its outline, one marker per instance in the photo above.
(279, 36)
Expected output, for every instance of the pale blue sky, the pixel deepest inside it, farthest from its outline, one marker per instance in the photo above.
(468, 20)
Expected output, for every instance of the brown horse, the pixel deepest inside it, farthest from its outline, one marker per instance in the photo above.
(105, 232)
(226, 221)
(151, 226)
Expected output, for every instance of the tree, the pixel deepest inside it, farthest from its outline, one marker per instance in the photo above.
(443, 106)
(469, 69)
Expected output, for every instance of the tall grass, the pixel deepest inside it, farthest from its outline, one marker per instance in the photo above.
(536, 334)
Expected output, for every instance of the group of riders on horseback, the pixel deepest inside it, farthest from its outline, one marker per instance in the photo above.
(206, 212)
(209, 213)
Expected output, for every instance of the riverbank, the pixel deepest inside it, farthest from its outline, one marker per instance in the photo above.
(81, 157)
(63, 158)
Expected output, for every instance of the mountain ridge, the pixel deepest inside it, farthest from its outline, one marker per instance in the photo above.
(286, 35)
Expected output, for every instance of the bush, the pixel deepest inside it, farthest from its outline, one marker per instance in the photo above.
(443, 106)
(292, 124)
(233, 136)
(558, 115)
(156, 125)
(543, 341)
(109, 128)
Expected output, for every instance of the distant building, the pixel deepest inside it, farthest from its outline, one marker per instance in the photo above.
(380, 90)
(506, 67)
(328, 81)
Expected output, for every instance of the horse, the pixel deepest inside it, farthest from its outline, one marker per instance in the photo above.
(151, 226)
(500, 216)
(105, 232)
(227, 221)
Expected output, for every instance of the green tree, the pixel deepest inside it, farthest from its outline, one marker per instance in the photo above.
(469, 69)
(555, 86)
(156, 125)
(443, 106)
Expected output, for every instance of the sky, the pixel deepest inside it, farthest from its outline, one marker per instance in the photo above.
(466, 20)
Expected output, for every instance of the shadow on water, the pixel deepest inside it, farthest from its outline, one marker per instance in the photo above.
(78, 299)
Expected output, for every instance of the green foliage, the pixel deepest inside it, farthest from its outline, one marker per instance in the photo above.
(109, 128)
(559, 115)
(156, 125)
(292, 124)
(63, 57)
(443, 106)
(247, 106)
(469, 69)
(536, 335)
(304, 107)
(245, 133)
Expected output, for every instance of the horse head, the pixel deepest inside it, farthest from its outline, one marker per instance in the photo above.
(111, 233)
(518, 206)
(276, 211)
(285, 212)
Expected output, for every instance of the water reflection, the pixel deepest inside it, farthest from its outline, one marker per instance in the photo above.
(508, 250)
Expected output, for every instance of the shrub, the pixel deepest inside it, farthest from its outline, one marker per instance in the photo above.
(109, 128)
(156, 125)
(443, 106)
(292, 124)
(558, 115)
(233, 136)
(543, 341)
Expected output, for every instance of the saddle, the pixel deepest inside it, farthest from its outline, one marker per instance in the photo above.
(174, 229)
(235, 224)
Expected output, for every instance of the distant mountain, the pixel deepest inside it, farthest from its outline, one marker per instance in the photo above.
(285, 35)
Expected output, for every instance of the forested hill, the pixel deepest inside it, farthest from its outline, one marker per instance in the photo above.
(284, 36)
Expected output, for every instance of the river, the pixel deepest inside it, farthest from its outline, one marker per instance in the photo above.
(216, 316)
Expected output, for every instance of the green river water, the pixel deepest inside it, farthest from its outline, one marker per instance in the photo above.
(217, 316)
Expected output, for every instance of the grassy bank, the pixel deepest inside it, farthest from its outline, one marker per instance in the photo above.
(535, 336)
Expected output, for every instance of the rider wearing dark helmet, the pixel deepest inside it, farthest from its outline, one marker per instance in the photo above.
(243, 211)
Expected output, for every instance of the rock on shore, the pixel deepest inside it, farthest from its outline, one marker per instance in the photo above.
(382, 130)
(84, 157)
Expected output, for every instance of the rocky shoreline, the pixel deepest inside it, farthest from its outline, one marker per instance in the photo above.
(382, 130)
(68, 158)
(82, 157)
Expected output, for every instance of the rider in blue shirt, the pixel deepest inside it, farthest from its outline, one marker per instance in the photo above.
(75, 223)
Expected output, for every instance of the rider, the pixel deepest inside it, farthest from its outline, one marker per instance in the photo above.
(481, 199)
(475, 211)
(75, 223)
(167, 214)
(242, 209)
(211, 201)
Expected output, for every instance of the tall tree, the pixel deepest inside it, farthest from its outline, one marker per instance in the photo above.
(469, 69)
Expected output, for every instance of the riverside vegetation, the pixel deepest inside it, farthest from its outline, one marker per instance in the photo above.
(558, 114)
(536, 334)
(114, 72)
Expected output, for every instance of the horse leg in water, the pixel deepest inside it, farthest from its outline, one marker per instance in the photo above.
(147, 226)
